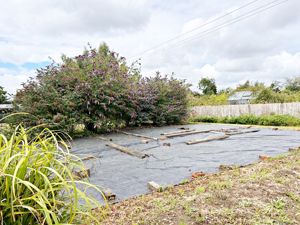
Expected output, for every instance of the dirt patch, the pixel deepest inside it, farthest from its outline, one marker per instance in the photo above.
(267, 192)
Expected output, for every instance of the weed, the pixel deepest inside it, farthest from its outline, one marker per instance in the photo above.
(200, 190)
(279, 204)
(220, 185)
(246, 203)
(293, 196)
(260, 174)
(185, 181)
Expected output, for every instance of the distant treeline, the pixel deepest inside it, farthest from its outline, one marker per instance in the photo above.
(277, 92)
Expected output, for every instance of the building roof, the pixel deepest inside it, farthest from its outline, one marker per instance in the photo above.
(241, 95)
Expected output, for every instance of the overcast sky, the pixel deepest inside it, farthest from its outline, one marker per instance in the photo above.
(263, 47)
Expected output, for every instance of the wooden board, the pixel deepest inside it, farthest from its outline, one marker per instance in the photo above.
(103, 138)
(188, 133)
(126, 150)
(178, 132)
(212, 138)
(139, 135)
(242, 132)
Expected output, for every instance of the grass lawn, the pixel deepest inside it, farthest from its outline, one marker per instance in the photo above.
(266, 192)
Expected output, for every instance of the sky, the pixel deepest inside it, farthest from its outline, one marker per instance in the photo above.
(231, 41)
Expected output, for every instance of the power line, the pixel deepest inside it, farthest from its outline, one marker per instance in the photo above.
(198, 27)
(218, 27)
(233, 21)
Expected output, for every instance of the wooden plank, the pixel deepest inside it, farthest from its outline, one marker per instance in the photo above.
(242, 132)
(212, 138)
(139, 135)
(188, 133)
(184, 128)
(104, 138)
(178, 132)
(154, 186)
(126, 150)
(89, 158)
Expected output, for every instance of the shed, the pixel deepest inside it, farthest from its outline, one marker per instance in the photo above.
(240, 98)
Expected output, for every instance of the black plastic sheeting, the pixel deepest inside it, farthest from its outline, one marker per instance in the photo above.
(127, 176)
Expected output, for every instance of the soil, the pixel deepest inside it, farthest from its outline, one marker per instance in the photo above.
(266, 192)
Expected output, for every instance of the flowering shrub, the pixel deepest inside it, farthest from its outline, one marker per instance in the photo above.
(99, 90)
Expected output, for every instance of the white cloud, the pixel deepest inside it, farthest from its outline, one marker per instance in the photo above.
(265, 47)
(56, 18)
(12, 80)
(283, 65)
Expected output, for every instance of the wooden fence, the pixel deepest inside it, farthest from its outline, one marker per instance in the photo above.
(292, 109)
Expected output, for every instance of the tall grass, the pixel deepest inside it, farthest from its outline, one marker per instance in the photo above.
(37, 185)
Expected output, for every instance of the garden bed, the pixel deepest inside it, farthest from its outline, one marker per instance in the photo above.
(267, 192)
(171, 160)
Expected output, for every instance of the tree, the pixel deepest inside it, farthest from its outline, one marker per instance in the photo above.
(255, 87)
(267, 96)
(225, 91)
(3, 95)
(208, 86)
(245, 86)
(293, 84)
(276, 86)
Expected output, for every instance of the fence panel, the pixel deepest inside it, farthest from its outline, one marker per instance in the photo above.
(292, 109)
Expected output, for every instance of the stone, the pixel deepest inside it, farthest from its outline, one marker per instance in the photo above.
(264, 157)
(227, 167)
(82, 174)
(198, 174)
(109, 195)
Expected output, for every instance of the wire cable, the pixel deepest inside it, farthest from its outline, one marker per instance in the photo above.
(198, 27)
(250, 13)
(233, 21)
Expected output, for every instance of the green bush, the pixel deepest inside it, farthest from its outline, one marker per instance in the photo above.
(101, 92)
(205, 119)
(37, 185)
(244, 119)
(266, 120)
(3, 96)
(269, 96)
(169, 100)
(279, 120)
(219, 99)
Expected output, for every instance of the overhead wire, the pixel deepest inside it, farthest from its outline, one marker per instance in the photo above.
(198, 27)
(250, 13)
(233, 21)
